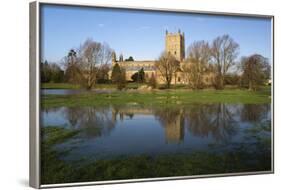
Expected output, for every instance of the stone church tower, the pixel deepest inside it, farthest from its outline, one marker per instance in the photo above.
(174, 44)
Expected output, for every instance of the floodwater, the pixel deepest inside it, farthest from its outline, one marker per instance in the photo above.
(112, 131)
(72, 91)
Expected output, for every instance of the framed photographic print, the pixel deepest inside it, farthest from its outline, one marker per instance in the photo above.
(126, 94)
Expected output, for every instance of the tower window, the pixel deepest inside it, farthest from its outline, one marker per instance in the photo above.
(175, 53)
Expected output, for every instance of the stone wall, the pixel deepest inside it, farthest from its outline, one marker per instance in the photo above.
(131, 67)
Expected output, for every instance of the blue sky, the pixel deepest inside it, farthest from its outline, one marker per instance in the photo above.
(141, 34)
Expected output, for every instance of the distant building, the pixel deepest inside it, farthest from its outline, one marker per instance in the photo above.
(174, 44)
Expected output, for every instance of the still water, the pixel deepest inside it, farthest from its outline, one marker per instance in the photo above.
(112, 131)
(72, 91)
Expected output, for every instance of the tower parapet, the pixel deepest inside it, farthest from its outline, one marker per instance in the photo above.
(113, 58)
(174, 44)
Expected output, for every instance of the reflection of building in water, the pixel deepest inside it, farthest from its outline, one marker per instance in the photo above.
(172, 121)
(129, 112)
(174, 130)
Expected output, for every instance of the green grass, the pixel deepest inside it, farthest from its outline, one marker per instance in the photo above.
(53, 135)
(51, 166)
(159, 98)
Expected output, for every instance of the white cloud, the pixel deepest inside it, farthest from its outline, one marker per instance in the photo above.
(101, 25)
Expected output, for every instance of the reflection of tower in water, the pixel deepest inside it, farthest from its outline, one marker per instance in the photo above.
(114, 113)
(174, 130)
(171, 120)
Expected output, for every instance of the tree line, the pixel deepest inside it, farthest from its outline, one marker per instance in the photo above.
(216, 59)
(51, 72)
(86, 66)
(90, 64)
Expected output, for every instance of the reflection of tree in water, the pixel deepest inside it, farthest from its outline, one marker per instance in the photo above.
(130, 115)
(50, 110)
(94, 121)
(223, 124)
(215, 119)
(254, 112)
(202, 120)
(73, 115)
(173, 122)
(197, 119)
(54, 109)
(122, 111)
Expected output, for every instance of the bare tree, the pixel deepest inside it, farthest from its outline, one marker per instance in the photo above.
(92, 56)
(84, 65)
(197, 63)
(102, 75)
(255, 71)
(167, 65)
(152, 81)
(224, 51)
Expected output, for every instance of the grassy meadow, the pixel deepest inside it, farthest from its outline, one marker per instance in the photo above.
(172, 97)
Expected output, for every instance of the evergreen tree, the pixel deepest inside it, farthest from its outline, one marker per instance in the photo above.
(116, 71)
(139, 76)
(130, 59)
(118, 76)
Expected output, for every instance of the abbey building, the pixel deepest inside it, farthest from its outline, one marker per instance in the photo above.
(174, 44)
